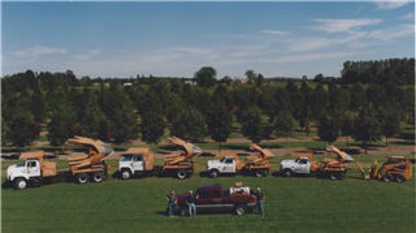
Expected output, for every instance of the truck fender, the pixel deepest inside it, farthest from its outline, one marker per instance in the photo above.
(126, 167)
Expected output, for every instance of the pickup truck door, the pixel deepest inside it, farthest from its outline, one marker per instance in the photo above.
(302, 166)
(229, 165)
(137, 163)
(33, 168)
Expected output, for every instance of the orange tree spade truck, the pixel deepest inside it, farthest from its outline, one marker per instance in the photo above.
(36, 170)
(139, 161)
(305, 165)
(397, 168)
(91, 166)
(257, 165)
(180, 164)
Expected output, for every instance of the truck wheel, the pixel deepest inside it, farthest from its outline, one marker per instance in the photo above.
(183, 212)
(214, 173)
(182, 174)
(240, 210)
(125, 174)
(332, 176)
(259, 174)
(82, 178)
(287, 173)
(98, 177)
(20, 184)
(400, 179)
(387, 178)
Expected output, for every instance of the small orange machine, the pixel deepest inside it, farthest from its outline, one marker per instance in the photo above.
(397, 168)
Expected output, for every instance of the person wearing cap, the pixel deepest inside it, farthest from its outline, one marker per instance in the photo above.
(259, 202)
(190, 201)
(171, 198)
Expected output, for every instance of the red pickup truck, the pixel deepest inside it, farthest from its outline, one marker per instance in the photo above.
(212, 198)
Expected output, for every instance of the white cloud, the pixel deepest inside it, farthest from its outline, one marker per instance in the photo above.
(37, 51)
(343, 25)
(391, 4)
(88, 54)
(274, 32)
(309, 57)
(407, 16)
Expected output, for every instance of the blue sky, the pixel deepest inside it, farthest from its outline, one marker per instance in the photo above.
(176, 39)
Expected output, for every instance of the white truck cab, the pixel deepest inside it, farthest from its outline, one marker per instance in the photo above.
(290, 167)
(131, 165)
(20, 174)
(222, 166)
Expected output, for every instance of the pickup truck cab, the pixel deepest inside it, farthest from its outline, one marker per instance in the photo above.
(212, 198)
(291, 167)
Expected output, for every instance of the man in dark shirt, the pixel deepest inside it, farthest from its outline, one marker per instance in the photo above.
(260, 199)
(171, 198)
(191, 203)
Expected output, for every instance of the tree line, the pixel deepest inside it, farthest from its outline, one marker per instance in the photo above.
(151, 107)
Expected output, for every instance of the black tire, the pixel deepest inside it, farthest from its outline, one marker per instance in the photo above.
(182, 174)
(287, 173)
(82, 178)
(125, 174)
(214, 173)
(98, 177)
(182, 212)
(259, 174)
(20, 183)
(400, 179)
(240, 210)
(332, 176)
(387, 178)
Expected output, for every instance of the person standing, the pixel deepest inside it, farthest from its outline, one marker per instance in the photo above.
(259, 202)
(171, 198)
(191, 203)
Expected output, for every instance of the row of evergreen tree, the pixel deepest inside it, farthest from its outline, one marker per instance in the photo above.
(389, 71)
(151, 107)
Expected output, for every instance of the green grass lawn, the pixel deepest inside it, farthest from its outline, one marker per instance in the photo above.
(292, 204)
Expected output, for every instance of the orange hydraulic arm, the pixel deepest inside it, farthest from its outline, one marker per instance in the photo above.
(189, 151)
(97, 151)
(261, 160)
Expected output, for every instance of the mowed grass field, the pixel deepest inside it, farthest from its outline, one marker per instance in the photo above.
(292, 205)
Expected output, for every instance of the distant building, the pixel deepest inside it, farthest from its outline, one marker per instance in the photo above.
(127, 84)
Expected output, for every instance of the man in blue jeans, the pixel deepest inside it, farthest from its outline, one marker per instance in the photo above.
(259, 203)
(191, 204)
(171, 198)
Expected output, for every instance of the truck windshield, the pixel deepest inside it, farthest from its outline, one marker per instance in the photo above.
(222, 160)
(127, 158)
(20, 165)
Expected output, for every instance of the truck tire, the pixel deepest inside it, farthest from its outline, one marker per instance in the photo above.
(98, 177)
(183, 212)
(259, 174)
(82, 178)
(214, 173)
(332, 176)
(20, 183)
(287, 173)
(125, 174)
(182, 174)
(240, 210)
(387, 178)
(400, 179)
